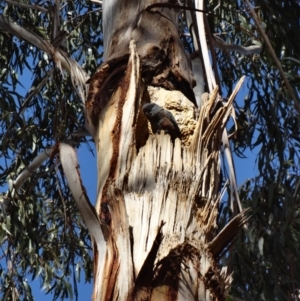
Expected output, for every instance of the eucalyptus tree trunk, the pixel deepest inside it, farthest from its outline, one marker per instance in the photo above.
(157, 199)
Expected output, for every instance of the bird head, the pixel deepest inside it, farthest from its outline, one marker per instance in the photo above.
(148, 109)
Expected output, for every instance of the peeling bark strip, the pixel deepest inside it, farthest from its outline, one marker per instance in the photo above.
(117, 135)
(102, 85)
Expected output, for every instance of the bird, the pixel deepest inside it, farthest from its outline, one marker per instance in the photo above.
(161, 119)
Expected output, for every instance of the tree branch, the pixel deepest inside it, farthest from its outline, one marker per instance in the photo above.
(40, 158)
(273, 54)
(32, 167)
(219, 43)
(78, 75)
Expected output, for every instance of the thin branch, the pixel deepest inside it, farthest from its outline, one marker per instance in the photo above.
(78, 75)
(32, 167)
(28, 6)
(73, 140)
(273, 54)
(219, 43)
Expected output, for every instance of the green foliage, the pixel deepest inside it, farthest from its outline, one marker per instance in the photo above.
(42, 235)
(266, 257)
